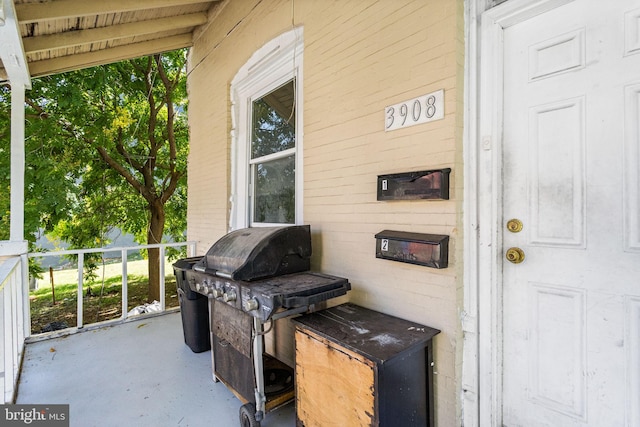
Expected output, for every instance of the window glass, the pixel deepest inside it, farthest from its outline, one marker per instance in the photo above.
(275, 191)
(274, 126)
(273, 143)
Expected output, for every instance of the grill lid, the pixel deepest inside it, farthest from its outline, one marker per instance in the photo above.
(256, 253)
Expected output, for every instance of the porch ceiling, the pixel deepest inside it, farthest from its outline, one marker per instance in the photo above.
(54, 36)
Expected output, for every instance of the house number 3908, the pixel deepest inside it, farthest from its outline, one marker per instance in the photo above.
(422, 109)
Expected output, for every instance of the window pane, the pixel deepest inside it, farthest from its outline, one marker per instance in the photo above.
(275, 191)
(274, 122)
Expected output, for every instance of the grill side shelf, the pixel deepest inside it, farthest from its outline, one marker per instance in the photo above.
(293, 291)
(296, 284)
(299, 301)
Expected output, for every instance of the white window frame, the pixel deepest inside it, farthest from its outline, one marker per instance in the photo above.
(271, 66)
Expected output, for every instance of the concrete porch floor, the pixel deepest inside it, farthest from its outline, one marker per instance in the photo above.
(136, 374)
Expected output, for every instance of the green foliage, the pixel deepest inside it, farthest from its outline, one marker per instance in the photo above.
(105, 147)
(50, 185)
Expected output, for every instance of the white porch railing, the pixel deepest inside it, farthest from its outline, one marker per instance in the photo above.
(191, 248)
(12, 324)
(15, 325)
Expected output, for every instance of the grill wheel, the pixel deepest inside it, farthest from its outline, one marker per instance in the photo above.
(248, 415)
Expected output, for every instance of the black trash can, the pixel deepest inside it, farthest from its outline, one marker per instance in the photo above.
(193, 308)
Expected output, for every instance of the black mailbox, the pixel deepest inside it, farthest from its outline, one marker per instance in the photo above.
(430, 184)
(431, 250)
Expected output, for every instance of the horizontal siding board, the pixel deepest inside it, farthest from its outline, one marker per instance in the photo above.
(359, 57)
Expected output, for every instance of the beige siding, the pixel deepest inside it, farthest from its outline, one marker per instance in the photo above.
(359, 56)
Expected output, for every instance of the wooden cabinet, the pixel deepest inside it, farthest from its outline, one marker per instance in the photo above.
(358, 367)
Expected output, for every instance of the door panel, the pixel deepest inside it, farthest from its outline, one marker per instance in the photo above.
(556, 205)
(633, 360)
(632, 166)
(571, 142)
(557, 321)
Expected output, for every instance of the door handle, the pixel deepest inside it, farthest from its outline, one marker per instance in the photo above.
(515, 255)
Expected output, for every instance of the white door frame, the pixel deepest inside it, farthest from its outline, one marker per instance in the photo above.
(482, 315)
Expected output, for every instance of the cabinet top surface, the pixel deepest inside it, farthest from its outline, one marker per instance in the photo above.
(370, 333)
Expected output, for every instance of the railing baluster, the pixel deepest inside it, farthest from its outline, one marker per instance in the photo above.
(161, 274)
(25, 311)
(7, 352)
(80, 279)
(6, 287)
(125, 289)
(12, 337)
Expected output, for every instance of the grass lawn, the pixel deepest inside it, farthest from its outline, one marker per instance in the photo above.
(102, 300)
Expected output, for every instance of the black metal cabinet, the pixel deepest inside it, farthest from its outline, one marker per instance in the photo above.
(356, 366)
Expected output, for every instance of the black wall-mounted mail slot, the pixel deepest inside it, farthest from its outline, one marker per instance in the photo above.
(431, 250)
(432, 184)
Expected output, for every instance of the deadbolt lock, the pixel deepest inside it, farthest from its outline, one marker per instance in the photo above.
(514, 225)
(515, 255)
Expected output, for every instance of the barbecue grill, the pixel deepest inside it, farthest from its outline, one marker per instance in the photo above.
(251, 277)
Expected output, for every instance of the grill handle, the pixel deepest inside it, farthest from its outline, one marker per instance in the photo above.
(203, 269)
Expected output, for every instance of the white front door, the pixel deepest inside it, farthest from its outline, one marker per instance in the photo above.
(571, 138)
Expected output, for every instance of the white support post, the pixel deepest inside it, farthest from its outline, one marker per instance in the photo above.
(17, 161)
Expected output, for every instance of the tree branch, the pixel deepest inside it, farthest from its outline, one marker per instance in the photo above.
(173, 184)
(144, 191)
(124, 153)
(170, 87)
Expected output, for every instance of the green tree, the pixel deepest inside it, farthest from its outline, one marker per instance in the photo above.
(50, 184)
(113, 144)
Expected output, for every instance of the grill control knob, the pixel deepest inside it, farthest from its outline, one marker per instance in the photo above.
(217, 293)
(199, 287)
(251, 304)
(229, 296)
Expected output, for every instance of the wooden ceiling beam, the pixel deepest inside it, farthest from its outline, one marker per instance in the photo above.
(63, 9)
(107, 56)
(103, 34)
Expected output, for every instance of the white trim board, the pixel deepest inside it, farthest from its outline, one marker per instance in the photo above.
(482, 315)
